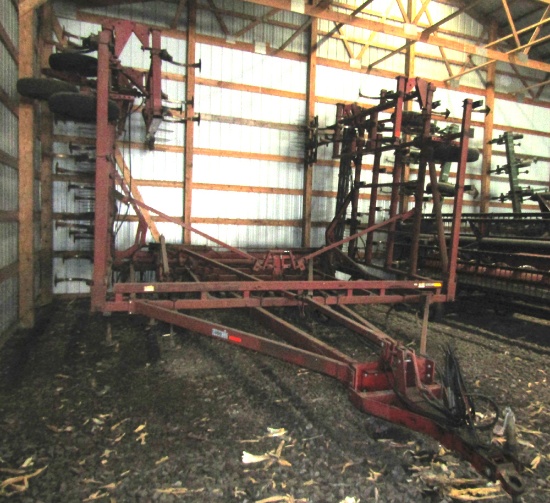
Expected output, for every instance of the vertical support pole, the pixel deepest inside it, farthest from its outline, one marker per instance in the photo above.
(352, 246)
(397, 167)
(189, 113)
(46, 180)
(310, 114)
(485, 196)
(410, 71)
(426, 154)
(373, 198)
(459, 195)
(105, 155)
(397, 172)
(437, 204)
(513, 171)
(26, 175)
(425, 318)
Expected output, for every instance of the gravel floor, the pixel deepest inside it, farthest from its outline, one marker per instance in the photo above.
(130, 414)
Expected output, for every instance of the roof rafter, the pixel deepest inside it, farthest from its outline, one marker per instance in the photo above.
(397, 31)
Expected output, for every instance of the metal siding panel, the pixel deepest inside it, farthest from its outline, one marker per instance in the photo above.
(245, 205)
(9, 308)
(8, 188)
(9, 20)
(251, 139)
(252, 69)
(247, 105)
(8, 131)
(155, 165)
(522, 115)
(8, 243)
(166, 199)
(8, 73)
(249, 236)
(247, 172)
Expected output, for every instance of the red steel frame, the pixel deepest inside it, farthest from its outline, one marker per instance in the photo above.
(396, 387)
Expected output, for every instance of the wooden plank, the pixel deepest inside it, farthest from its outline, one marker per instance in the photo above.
(9, 216)
(28, 6)
(8, 44)
(8, 159)
(399, 31)
(8, 102)
(190, 113)
(9, 271)
(26, 176)
(249, 88)
(236, 221)
(251, 122)
(127, 176)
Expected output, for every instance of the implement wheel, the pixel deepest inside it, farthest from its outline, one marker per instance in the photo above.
(74, 62)
(79, 107)
(42, 89)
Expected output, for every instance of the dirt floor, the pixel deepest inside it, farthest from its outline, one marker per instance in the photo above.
(136, 414)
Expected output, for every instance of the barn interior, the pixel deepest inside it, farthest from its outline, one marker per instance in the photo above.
(292, 250)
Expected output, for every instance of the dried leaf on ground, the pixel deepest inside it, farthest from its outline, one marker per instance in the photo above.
(347, 464)
(276, 432)
(18, 483)
(96, 496)
(162, 460)
(179, 490)
(248, 458)
(476, 493)
(140, 427)
(287, 498)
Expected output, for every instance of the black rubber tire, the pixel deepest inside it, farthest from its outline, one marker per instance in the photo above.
(79, 107)
(42, 89)
(74, 62)
(444, 152)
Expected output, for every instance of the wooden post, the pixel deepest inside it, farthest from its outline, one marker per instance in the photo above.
(46, 181)
(190, 113)
(310, 114)
(26, 175)
(487, 153)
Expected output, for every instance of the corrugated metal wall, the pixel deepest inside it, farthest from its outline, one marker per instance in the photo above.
(8, 174)
(248, 167)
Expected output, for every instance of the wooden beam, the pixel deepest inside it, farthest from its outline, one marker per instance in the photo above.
(339, 25)
(511, 22)
(511, 61)
(537, 30)
(310, 115)
(127, 177)
(293, 37)
(218, 17)
(189, 125)
(256, 22)
(398, 31)
(26, 175)
(177, 15)
(28, 6)
(8, 44)
(8, 272)
(421, 11)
